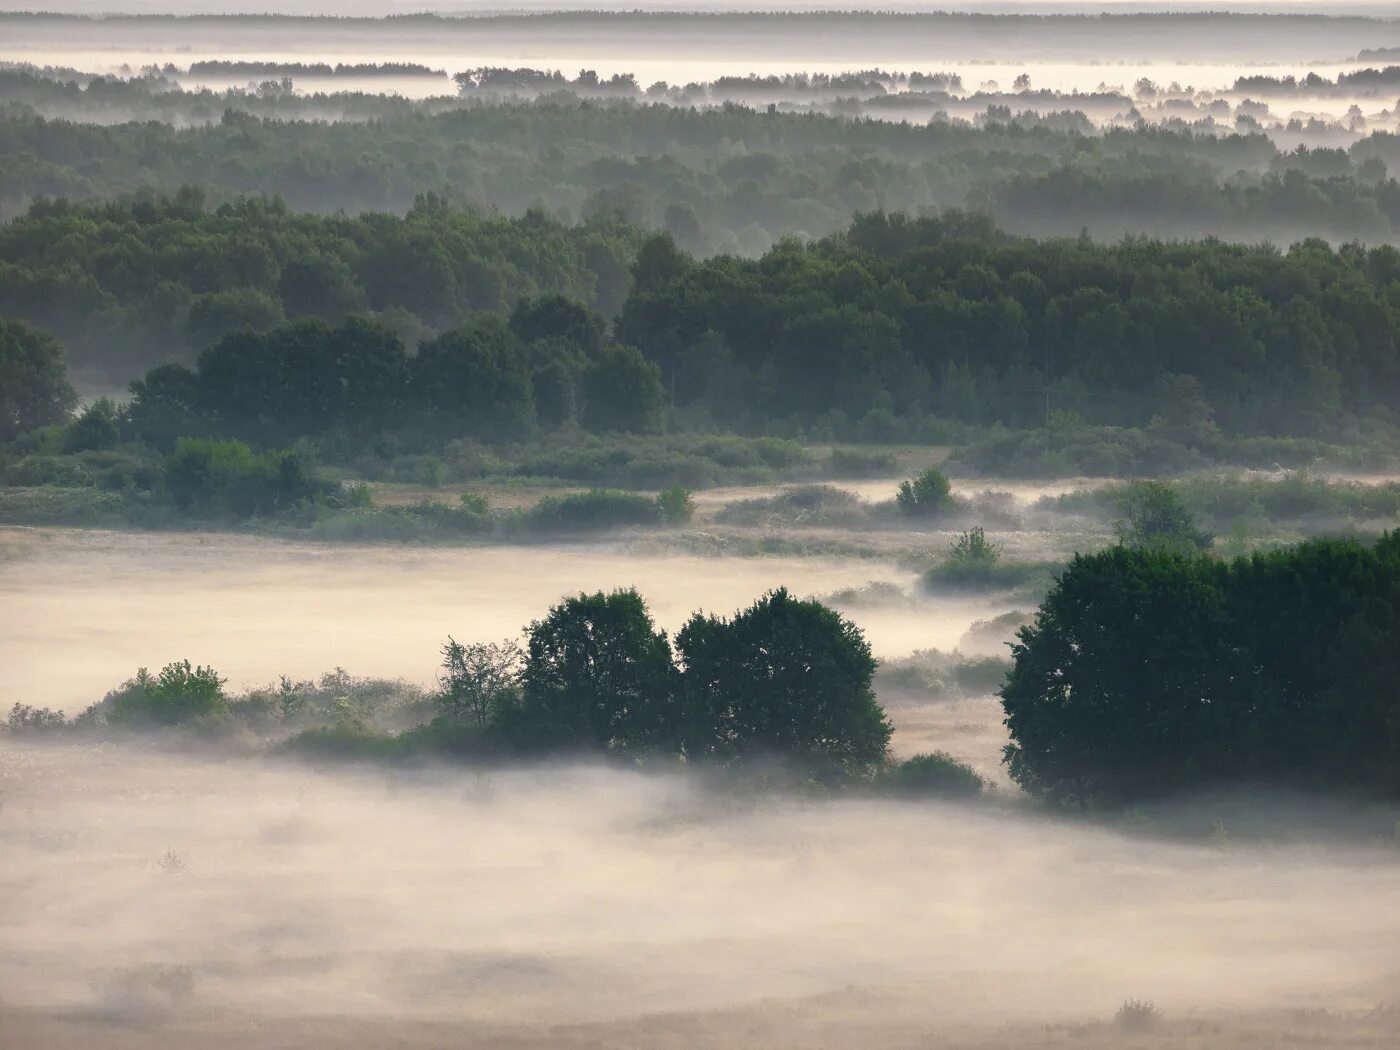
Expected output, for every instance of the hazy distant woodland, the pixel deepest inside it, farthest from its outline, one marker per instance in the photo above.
(700, 528)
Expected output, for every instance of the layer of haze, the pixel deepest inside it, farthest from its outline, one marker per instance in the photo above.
(253, 903)
(83, 610)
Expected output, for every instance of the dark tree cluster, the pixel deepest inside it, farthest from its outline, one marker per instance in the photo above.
(906, 317)
(128, 285)
(549, 365)
(1147, 673)
(785, 679)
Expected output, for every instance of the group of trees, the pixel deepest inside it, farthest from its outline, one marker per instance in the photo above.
(1149, 671)
(785, 679)
(723, 179)
(950, 316)
(128, 285)
(784, 684)
(549, 365)
(897, 318)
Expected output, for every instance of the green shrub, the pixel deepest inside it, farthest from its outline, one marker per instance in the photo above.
(596, 509)
(98, 426)
(677, 506)
(346, 743)
(936, 775)
(229, 479)
(927, 494)
(1154, 515)
(179, 693)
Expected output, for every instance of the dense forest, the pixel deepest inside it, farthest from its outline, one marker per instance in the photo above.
(724, 179)
(895, 318)
(128, 285)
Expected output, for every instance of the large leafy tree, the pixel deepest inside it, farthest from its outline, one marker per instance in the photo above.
(599, 676)
(34, 388)
(1148, 672)
(784, 677)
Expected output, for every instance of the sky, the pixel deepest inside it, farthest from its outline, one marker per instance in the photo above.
(1381, 8)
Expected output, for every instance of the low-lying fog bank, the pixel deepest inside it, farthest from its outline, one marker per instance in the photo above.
(147, 892)
(84, 609)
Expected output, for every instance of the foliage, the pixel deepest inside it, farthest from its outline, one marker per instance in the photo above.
(1154, 515)
(227, 478)
(180, 693)
(1147, 673)
(98, 427)
(34, 390)
(478, 680)
(124, 284)
(784, 677)
(973, 563)
(927, 494)
(723, 176)
(593, 510)
(598, 676)
(677, 506)
(936, 775)
(26, 719)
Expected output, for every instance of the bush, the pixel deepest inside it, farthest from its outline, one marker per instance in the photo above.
(346, 743)
(935, 675)
(927, 494)
(97, 427)
(179, 694)
(228, 479)
(973, 563)
(936, 775)
(593, 510)
(1154, 515)
(1137, 1015)
(677, 507)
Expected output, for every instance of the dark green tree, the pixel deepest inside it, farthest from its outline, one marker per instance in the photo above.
(783, 678)
(34, 389)
(622, 391)
(599, 676)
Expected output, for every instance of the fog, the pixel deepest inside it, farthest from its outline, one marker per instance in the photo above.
(83, 610)
(229, 902)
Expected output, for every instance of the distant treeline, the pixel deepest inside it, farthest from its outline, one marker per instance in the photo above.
(1357, 82)
(861, 83)
(219, 67)
(728, 179)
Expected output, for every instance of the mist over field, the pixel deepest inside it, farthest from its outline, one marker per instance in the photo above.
(220, 901)
(700, 525)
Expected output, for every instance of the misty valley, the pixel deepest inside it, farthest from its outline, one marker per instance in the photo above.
(700, 526)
